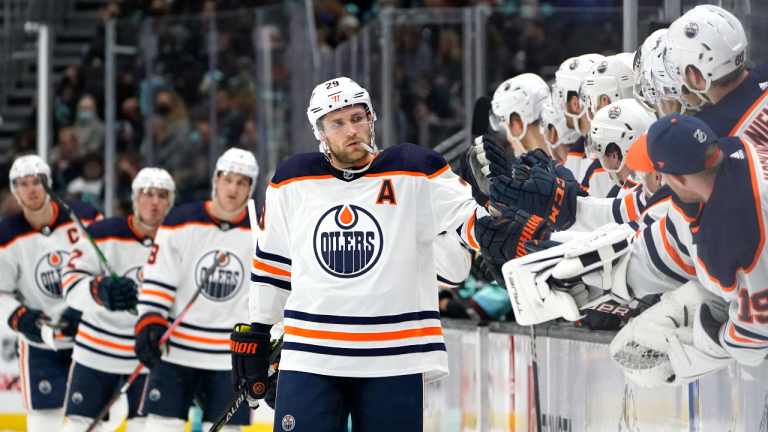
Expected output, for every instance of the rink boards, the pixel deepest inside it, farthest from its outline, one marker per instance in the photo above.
(490, 388)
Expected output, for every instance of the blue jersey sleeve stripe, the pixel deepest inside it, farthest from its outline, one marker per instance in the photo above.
(732, 345)
(364, 352)
(100, 352)
(153, 304)
(447, 282)
(647, 220)
(752, 335)
(206, 329)
(359, 320)
(100, 330)
(656, 259)
(159, 284)
(616, 207)
(639, 199)
(673, 232)
(272, 257)
(634, 225)
(271, 281)
(200, 350)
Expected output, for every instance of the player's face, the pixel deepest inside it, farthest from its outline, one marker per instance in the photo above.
(344, 130)
(30, 191)
(153, 204)
(232, 191)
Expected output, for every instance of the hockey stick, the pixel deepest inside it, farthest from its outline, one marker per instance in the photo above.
(535, 370)
(71, 213)
(241, 394)
(207, 274)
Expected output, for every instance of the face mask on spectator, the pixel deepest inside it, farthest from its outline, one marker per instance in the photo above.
(163, 110)
(85, 115)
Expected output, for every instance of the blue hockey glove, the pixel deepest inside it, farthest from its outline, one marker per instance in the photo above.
(114, 295)
(24, 321)
(149, 330)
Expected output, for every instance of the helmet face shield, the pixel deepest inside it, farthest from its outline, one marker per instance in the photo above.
(359, 120)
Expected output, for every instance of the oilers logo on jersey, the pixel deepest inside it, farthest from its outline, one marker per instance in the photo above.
(348, 241)
(135, 274)
(48, 272)
(226, 279)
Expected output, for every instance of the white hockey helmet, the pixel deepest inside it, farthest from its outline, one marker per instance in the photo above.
(555, 118)
(525, 95)
(152, 178)
(237, 161)
(708, 38)
(619, 123)
(29, 165)
(643, 90)
(568, 78)
(612, 77)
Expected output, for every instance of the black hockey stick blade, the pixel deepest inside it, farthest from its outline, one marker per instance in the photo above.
(480, 119)
(239, 397)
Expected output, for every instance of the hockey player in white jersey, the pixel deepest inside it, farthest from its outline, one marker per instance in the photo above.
(34, 250)
(345, 255)
(103, 355)
(516, 108)
(196, 359)
(565, 99)
(607, 82)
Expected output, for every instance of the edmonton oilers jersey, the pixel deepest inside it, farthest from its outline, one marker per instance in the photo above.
(105, 338)
(188, 242)
(744, 111)
(348, 261)
(32, 262)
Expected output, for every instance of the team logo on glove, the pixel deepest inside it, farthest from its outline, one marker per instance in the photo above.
(48, 272)
(258, 389)
(348, 241)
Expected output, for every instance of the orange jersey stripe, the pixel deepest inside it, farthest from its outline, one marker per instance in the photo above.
(630, 201)
(672, 251)
(289, 181)
(747, 114)
(364, 337)
(732, 333)
(69, 280)
(105, 343)
(258, 265)
(160, 294)
(470, 226)
(200, 339)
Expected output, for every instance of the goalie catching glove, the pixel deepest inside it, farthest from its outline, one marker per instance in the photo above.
(502, 237)
(560, 281)
(540, 193)
(250, 361)
(675, 341)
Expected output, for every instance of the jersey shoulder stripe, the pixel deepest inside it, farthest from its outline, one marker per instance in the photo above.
(114, 227)
(614, 192)
(726, 115)
(594, 167)
(656, 258)
(197, 213)
(302, 165)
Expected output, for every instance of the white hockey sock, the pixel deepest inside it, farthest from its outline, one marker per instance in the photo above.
(45, 420)
(156, 423)
(226, 428)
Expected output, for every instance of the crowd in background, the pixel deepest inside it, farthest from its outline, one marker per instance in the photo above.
(175, 90)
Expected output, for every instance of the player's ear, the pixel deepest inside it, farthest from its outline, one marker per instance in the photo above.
(605, 100)
(517, 127)
(694, 79)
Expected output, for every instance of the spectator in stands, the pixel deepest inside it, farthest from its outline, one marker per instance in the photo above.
(70, 91)
(170, 108)
(170, 152)
(249, 137)
(88, 127)
(66, 162)
(89, 186)
(130, 131)
(230, 119)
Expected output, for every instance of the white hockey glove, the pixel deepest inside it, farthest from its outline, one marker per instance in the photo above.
(675, 341)
(560, 281)
(486, 158)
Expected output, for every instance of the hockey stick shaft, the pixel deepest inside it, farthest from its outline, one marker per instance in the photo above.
(136, 372)
(535, 372)
(240, 396)
(73, 216)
